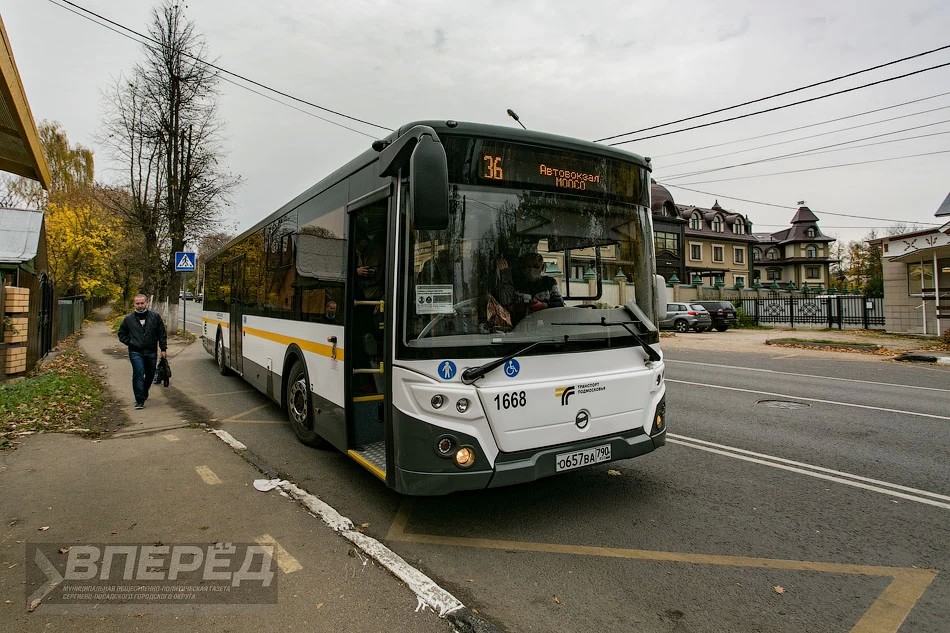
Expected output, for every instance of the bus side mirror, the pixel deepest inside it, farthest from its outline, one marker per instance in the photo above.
(429, 185)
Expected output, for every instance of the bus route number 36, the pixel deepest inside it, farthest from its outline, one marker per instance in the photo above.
(511, 400)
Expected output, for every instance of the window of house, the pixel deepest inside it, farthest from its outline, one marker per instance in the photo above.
(667, 242)
(738, 255)
(739, 227)
(813, 272)
(695, 252)
(717, 253)
(756, 254)
(811, 251)
(717, 224)
(772, 253)
(919, 276)
(695, 221)
(773, 274)
(810, 231)
(739, 279)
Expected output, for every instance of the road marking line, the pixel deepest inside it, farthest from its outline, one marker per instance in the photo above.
(685, 439)
(246, 421)
(229, 393)
(207, 475)
(785, 395)
(803, 471)
(785, 356)
(170, 437)
(790, 373)
(248, 412)
(885, 615)
(285, 561)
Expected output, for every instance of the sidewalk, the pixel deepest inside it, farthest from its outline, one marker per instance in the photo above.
(157, 481)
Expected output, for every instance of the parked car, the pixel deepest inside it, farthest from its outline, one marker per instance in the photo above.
(723, 314)
(682, 317)
(185, 296)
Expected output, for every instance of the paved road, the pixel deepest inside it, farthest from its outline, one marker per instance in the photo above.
(837, 522)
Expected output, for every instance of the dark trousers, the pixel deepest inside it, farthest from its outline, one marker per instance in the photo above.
(143, 371)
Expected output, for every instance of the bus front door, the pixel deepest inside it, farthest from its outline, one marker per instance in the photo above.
(236, 328)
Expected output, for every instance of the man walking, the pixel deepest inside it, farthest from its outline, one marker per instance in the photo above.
(143, 332)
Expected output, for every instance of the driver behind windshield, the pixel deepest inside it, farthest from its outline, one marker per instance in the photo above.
(528, 289)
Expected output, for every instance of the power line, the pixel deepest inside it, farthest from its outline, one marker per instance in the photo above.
(782, 107)
(784, 206)
(797, 171)
(779, 94)
(802, 127)
(218, 68)
(803, 138)
(814, 150)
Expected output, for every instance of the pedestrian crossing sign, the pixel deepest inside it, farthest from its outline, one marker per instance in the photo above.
(184, 262)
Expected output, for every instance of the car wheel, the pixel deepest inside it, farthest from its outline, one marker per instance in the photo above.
(722, 328)
(299, 408)
(219, 356)
(681, 326)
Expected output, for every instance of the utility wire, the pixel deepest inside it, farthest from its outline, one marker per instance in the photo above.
(782, 107)
(219, 68)
(808, 152)
(797, 171)
(804, 138)
(779, 94)
(784, 206)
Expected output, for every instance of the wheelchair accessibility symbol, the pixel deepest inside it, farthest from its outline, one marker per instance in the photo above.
(512, 368)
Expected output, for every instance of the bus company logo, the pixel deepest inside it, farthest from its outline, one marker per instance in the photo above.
(564, 393)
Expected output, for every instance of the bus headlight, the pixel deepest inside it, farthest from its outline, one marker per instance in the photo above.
(464, 457)
(462, 405)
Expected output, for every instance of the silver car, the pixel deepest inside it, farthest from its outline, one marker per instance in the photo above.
(684, 317)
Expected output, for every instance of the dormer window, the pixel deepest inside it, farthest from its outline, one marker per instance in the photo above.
(717, 224)
(739, 227)
(772, 253)
(756, 253)
(810, 232)
(695, 221)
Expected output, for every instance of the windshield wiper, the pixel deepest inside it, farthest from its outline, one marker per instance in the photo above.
(472, 374)
(652, 353)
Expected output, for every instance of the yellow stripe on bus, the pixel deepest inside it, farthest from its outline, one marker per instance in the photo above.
(308, 346)
(368, 465)
(215, 322)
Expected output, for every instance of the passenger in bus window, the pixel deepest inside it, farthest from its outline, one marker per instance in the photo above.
(369, 267)
(329, 315)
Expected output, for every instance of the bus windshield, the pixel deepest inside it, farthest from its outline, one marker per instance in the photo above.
(521, 265)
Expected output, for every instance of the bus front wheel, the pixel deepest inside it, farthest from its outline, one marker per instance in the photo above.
(219, 356)
(299, 409)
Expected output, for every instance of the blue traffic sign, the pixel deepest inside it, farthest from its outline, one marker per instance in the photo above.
(184, 262)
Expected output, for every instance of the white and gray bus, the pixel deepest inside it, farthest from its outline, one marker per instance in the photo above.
(387, 309)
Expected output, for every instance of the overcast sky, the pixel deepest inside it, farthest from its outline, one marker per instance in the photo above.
(586, 69)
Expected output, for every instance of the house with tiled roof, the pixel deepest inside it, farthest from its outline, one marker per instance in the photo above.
(717, 245)
(800, 254)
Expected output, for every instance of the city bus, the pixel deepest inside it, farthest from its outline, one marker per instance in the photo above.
(386, 308)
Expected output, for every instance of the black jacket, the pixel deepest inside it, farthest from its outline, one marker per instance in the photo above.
(143, 339)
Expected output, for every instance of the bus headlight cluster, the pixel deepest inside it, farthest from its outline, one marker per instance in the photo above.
(448, 446)
(461, 405)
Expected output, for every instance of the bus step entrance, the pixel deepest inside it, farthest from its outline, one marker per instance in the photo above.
(372, 457)
(367, 420)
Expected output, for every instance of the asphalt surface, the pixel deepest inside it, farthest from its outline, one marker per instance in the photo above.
(161, 479)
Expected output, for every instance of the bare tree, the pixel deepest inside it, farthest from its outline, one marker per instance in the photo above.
(164, 127)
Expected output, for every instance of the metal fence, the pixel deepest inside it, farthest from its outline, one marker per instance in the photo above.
(841, 311)
(70, 313)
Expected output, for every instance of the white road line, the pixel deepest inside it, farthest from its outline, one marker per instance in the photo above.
(285, 561)
(207, 475)
(790, 397)
(789, 373)
(813, 473)
(170, 437)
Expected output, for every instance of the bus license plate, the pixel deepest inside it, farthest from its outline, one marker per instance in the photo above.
(586, 457)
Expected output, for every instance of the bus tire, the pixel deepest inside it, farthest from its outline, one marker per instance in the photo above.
(219, 355)
(300, 407)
